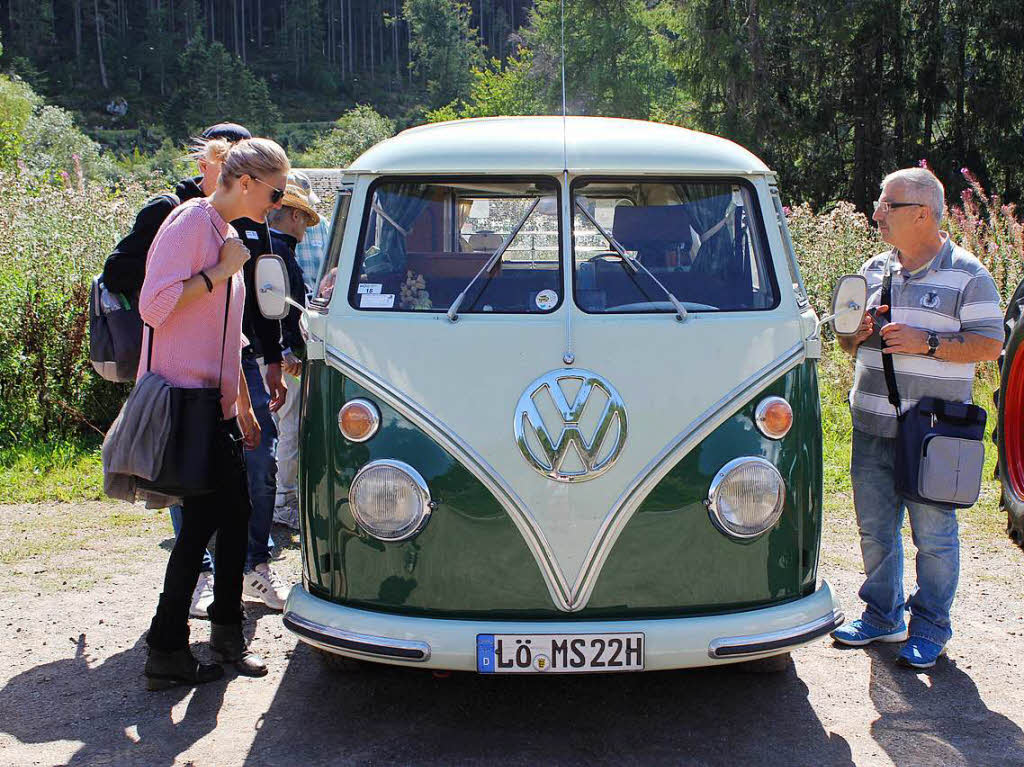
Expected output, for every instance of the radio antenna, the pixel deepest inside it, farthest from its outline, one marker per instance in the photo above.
(565, 158)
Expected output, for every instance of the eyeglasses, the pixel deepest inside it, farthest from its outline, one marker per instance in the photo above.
(885, 206)
(276, 195)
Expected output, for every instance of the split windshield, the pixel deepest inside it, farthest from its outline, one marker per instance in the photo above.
(701, 241)
(424, 242)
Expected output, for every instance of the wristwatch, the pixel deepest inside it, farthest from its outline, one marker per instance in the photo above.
(933, 343)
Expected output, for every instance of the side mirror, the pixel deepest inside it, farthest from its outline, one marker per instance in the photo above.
(272, 288)
(849, 301)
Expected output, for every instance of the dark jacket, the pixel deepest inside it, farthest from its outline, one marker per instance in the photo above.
(264, 335)
(125, 268)
(284, 246)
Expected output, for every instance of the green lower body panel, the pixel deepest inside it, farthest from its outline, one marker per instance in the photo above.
(470, 561)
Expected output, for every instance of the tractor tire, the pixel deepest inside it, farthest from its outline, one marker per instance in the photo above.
(1009, 432)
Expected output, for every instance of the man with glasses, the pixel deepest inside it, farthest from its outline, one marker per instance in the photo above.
(945, 318)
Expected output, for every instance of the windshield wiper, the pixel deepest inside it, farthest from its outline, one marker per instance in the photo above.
(634, 263)
(453, 312)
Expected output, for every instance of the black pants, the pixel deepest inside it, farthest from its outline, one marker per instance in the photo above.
(226, 512)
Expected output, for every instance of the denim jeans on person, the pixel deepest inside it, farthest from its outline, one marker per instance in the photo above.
(286, 420)
(226, 512)
(261, 466)
(880, 512)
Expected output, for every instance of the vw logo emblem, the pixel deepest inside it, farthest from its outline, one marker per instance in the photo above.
(593, 424)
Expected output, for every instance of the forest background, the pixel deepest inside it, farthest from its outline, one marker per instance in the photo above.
(832, 94)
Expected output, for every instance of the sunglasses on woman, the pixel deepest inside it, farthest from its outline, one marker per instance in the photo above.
(276, 195)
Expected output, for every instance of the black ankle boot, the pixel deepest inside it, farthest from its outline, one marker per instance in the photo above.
(229, 646)
(166, 669)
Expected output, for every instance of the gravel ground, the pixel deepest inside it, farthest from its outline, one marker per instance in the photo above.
(82, 580)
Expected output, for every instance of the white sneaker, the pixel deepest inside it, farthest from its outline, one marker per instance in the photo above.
(264, 584)
(202, 597)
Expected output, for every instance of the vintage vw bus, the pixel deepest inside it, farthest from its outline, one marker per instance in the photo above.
(560, 411)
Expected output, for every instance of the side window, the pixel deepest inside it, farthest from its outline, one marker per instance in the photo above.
(329, 271)
(485, 245)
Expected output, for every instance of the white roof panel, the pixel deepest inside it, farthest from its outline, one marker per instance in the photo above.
(534, 144)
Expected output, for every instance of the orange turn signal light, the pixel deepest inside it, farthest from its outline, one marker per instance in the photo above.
(774, 417)
(358, 420)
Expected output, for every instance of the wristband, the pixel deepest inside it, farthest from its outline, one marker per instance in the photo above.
(209, 283)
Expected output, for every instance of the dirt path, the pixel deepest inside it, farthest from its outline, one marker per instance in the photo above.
(82, 580)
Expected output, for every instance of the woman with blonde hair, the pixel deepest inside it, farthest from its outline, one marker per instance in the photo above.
(125, 268)
(191, 302)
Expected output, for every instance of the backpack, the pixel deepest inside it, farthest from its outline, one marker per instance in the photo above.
(115, 328)
(115, 333)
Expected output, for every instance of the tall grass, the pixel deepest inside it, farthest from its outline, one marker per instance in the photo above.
(53, 239)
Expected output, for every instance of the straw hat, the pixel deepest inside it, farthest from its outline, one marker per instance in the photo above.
(296, 197)
(301, 180)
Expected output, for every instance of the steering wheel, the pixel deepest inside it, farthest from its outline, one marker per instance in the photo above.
(608, 255)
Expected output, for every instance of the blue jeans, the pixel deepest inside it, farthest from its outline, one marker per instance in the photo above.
(176, 524)
(261, 466)
(880, 518)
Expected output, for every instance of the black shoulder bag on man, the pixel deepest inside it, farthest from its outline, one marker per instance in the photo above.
(940, 449)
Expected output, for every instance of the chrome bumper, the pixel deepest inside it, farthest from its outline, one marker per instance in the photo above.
(671, 642)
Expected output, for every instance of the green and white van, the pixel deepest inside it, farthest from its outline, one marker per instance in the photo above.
(560, 411)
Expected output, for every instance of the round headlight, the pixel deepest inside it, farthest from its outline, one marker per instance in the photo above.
(746, 497)
(774, 417)
(358, 420)
(389, 500)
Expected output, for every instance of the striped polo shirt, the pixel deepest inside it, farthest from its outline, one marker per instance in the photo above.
(954, 293)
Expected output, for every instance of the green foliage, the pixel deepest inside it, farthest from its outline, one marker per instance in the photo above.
(497, 90)
(53, 239)
(612, 62)
(829, 245)
(17, 102)
(443, 49)
(353, 133)
(54, 145)
(211, 85)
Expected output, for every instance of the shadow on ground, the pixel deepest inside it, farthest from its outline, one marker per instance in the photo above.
(937, 717)
(386, 715)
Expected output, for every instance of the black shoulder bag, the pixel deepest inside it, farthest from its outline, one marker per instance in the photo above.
(940, 449)
(195, 417)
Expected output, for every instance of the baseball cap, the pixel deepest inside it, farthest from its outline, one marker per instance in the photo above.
(230, 131)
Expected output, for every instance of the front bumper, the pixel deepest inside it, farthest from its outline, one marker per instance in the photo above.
(670, 642)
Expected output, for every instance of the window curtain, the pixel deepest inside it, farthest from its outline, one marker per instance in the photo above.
(402, 203)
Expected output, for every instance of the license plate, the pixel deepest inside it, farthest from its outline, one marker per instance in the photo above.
(558, 653)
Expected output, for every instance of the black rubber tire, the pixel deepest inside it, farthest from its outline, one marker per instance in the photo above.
(342, 663)
(1014, 337)
(773, 664)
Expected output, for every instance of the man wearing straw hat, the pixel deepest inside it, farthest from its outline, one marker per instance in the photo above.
(288, 229)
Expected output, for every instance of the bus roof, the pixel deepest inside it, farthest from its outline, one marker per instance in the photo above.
(525, 145)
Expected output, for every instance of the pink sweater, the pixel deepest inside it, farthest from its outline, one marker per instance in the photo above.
(187, 342)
